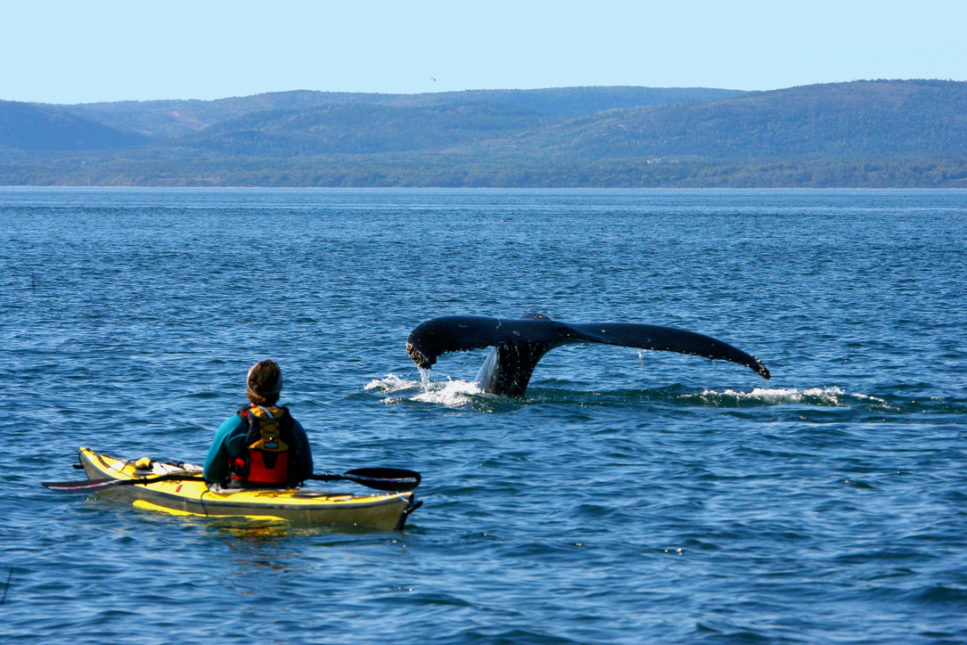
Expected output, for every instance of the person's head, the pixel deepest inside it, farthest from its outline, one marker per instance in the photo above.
(264, 383)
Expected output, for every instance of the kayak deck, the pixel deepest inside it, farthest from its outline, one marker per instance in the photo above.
(386, 511)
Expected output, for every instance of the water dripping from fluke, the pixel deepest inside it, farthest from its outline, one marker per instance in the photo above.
(425, 379)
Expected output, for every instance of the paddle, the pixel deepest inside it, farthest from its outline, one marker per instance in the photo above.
(390, 479)
(379, 478)
(89, 485)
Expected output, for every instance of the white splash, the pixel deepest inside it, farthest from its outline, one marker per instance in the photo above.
(774, 396)
(874, 399)
(390, 383)
(450, 394)
(822, 396)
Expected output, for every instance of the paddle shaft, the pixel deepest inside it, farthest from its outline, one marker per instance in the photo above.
(93, 485)
(389, 479)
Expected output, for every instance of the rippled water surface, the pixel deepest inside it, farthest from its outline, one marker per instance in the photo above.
(629, 497)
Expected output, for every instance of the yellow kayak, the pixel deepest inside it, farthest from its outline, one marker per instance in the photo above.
(304, 506)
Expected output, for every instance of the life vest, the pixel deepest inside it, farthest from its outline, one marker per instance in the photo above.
(267, 457)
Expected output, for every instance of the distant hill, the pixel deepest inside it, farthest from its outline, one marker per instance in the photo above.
(837, 121)
(169, 119)
(864, 133)
(31, 127)
(363, 129)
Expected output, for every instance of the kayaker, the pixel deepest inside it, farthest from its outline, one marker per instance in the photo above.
(262, 446)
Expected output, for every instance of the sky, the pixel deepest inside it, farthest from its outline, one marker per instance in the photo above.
(106, 50)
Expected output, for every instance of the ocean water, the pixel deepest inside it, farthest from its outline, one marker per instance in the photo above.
(629, 497)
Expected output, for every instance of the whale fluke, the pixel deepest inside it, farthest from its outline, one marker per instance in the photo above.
(520, 343)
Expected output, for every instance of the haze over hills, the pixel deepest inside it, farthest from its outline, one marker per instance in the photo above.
(865, 133)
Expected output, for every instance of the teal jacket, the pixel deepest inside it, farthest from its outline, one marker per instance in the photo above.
(229, 443)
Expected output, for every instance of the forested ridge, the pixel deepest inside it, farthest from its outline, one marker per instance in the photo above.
(865, 133)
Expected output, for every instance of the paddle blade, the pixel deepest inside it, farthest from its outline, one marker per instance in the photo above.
(388, 479)
(83, 485)
(385, 478)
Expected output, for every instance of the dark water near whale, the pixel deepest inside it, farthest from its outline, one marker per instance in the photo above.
(630, 497)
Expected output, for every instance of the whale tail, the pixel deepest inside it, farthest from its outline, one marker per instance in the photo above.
(518, 344)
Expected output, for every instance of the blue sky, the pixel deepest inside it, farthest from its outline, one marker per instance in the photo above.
(107, 50)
